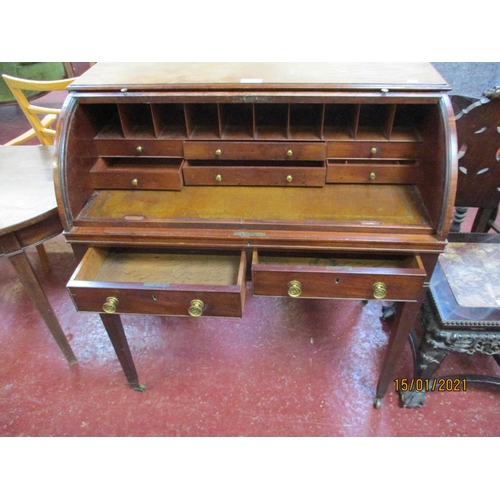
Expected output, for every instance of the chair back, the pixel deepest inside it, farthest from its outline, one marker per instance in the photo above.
(40, 118)
(478, 134)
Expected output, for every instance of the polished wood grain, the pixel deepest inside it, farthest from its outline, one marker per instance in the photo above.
(26, 171)
(28, 216)
(263, 75)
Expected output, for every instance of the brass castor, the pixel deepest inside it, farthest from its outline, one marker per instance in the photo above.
(378, 403)
(139, 388)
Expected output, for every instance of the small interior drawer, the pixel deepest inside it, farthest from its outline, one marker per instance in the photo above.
(374, 149)
(374, 172)
(338, 276)
(142, 282)
(137, 173)
(255, 150)
(138, 147)
(292, 174)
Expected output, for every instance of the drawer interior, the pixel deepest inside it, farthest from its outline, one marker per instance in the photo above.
(110, 163)
(346, 262)
(129, 281)
(150, 268)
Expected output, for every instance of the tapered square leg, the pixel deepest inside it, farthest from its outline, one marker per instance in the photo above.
(116, 333)
(17, 257)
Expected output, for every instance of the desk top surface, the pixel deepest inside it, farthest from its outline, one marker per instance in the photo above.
(27, 187)
(260, 76)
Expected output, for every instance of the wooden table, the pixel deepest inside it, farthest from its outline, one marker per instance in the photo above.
(28, 216)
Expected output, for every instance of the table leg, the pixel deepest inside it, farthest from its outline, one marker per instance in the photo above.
(406, 315)
(32, 286)
(114, 328)
(44, 259)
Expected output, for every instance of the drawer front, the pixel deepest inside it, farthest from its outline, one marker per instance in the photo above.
(123, 282)
(374, 150)
(223, 150)
(167, 176)
(254, 176)
(385, 173)
(354, 278)
(138, 148)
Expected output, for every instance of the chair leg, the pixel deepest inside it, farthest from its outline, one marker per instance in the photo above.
(459, 216)
(482, 220)
(496, 357)
(44, 259)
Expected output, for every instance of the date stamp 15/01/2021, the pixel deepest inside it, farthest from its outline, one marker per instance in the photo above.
(430, 385)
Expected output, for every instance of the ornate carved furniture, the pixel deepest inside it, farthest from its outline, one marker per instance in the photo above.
(477, 123)
(178, 182)
(462, 310)
(29, 216)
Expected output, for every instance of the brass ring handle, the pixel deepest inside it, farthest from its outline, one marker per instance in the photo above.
(196, 308)
(218, 152)
(139, 149)
(110, 305)
(289, 152)
(294, 288)
(379, 290)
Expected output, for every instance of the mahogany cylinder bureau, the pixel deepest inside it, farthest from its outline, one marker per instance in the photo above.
(178, 182)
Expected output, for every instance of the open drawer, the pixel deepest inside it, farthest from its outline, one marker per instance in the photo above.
(142, 282)
(140, 173)
(338, 276)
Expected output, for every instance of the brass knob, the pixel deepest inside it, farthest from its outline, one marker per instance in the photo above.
(289, 152)
(373, 176)
(110, 305)
(373, 151)
(289, 178)
(379, 290)
(294, 288)
(135, 182)
(139, 149)
(218, 152)
(218, 178)
(196, 308)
